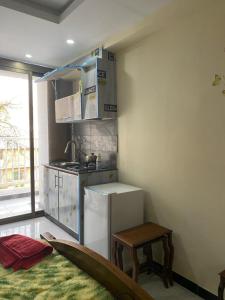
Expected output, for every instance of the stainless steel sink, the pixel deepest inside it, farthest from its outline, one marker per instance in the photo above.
(67, 164)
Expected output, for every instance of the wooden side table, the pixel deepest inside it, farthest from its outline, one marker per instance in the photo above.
(143, 236)
(221, 285)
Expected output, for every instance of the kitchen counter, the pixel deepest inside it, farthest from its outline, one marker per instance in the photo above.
(77, 172)
(64, 195)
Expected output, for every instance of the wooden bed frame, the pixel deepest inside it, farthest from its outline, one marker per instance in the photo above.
(118, 283)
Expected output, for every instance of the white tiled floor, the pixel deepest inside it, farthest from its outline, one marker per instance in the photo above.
(152, 284)
(33, 228)
(17, 206)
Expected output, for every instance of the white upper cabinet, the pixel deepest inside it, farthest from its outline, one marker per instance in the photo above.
(99, 88)
(86, 89)
(68, 109)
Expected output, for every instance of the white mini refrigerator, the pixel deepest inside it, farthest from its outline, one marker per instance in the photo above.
(109, 208)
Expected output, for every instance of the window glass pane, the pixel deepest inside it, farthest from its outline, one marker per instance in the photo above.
(14, 145)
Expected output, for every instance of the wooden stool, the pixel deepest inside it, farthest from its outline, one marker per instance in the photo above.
(221, 285)
(143, 236)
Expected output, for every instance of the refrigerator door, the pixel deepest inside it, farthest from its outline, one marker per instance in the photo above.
(96, 222)
(127, 210)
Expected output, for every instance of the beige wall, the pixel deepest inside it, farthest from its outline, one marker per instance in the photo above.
(172, 136)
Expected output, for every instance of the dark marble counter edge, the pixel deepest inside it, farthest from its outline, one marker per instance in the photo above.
(61, 169)
(77, 173)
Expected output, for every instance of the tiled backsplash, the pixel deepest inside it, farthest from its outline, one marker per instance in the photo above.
(97, 136)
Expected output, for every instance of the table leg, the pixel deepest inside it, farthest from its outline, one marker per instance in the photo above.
(114, 251)
(135, 264)
(120, 257)
(147, 251)
(166, 260)
(171, 256)
(221, 289)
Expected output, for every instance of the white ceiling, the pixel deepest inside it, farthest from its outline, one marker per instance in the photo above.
(90, 24)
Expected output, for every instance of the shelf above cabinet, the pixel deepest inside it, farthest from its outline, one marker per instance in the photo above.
(67, 71)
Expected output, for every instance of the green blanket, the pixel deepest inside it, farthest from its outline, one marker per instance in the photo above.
(54, 278)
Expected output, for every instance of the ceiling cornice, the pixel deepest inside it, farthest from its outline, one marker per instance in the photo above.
(42, 11)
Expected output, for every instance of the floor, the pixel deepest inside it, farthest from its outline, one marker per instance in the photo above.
(152, 284)
(17, 206)
(33, 228)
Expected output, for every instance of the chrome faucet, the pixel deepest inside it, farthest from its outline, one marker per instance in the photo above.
(67, 147)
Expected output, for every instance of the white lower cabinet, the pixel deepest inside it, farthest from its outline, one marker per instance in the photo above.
(62, 197)
(51, 192)
(68, 200)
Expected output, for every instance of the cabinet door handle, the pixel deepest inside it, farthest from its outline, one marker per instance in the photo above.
(61, 186)
(56, 185)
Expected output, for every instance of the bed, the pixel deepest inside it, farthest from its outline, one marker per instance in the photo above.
(71, 272)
